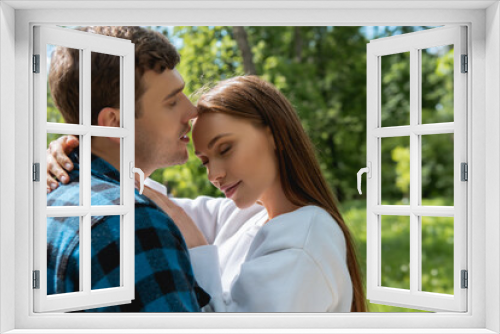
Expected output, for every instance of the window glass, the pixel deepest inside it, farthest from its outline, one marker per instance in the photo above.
(395, 89)
(437, 84)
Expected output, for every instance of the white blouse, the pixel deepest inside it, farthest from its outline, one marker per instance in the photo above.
(296, 262)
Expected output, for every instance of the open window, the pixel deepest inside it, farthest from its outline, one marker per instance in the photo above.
(402, 126)
(47, 126)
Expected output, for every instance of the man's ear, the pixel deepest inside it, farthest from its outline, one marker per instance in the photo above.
(109, 117)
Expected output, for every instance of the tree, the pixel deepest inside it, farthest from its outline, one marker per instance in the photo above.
(241, 38)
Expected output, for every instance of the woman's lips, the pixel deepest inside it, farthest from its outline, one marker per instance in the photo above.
(229, 192)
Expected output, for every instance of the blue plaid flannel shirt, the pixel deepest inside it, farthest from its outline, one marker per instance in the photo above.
(164, 280)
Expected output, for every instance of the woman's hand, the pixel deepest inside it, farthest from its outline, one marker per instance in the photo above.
(192, 235)
(58, 162)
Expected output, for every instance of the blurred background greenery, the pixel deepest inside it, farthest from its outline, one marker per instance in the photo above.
(322, 71)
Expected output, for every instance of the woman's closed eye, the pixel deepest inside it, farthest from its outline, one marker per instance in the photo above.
(224, 151)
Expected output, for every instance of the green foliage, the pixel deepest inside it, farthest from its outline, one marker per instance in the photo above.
(401, 155)
(437, 107)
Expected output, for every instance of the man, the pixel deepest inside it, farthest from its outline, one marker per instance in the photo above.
(164, 279)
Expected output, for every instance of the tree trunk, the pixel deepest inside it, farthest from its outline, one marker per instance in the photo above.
(240, 36)
(298, 44)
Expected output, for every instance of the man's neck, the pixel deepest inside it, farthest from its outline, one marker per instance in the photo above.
(109, 157)
(111, 154)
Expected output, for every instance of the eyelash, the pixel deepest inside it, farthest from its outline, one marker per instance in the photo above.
(221, 153)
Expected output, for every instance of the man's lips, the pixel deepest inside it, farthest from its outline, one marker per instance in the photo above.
(185, 137)
(185, 133)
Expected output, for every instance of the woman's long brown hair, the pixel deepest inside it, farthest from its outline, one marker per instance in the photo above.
(303, 182)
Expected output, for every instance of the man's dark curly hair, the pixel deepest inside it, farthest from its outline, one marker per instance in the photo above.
(153, 51)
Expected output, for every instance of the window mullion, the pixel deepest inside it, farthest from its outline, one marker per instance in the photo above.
(414, 170)
(80, 154)
(85, 234)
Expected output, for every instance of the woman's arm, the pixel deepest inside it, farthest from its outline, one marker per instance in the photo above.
(208, 213)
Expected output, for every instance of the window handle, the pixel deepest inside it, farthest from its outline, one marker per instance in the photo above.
(141, 175)
(367, 170)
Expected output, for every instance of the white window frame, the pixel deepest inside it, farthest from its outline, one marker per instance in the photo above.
(86, 43)
(483, 21)
(414, 43)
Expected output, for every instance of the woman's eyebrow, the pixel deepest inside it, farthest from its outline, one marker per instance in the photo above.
(214, 140)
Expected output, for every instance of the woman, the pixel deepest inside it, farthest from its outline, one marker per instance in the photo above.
(279, 244)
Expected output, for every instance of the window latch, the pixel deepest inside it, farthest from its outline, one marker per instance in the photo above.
(368, 171)
(133, 170)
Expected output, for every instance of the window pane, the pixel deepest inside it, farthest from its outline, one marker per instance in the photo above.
(63, 85)
(437, 84)
(105, 184)
(437, 254)
(105, 89)
(437, 169)
(395, 90)
(395, 171)
(105, 252)
(63, 262)
(395, 235)
(66, 194)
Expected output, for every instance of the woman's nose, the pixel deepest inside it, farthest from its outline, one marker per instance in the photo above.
(215, 174)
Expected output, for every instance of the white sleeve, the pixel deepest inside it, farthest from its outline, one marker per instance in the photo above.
(211, 214)
(156, 186)
(206, 212)
(284, 281)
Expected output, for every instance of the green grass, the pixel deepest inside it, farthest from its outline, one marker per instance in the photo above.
(437, 250)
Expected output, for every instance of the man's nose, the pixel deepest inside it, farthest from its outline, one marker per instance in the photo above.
(192, 111)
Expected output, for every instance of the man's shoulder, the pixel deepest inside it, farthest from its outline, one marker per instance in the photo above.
(104, 190)
(149, 215)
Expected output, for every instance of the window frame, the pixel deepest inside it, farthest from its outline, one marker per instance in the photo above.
(483, 211)
(414, 43)
(86, 43)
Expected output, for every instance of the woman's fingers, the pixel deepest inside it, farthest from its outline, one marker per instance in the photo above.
(57, 159)
(68, 144)
(51, 183)
(54, 169)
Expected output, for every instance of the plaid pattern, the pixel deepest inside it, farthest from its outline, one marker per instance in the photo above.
(164, 279)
